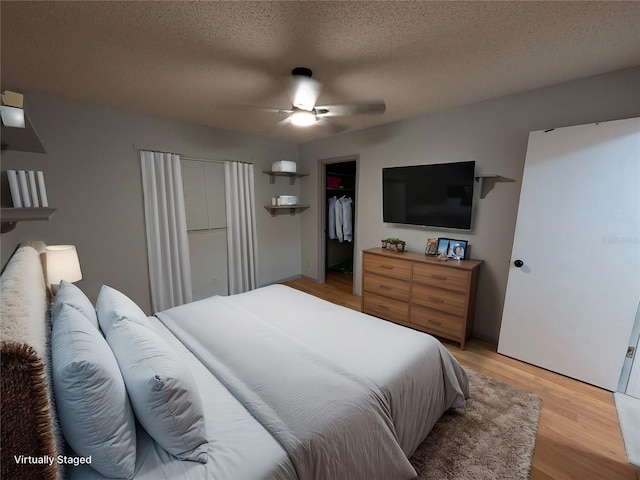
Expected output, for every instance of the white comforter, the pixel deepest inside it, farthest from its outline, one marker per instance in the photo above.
(347, 395)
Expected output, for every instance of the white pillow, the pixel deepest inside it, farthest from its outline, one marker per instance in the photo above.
(69, 294)
(163, 393)
(92, 403)
(113, 306)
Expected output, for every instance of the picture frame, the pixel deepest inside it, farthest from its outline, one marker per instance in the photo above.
(457, 249)
(432, 247)
(443, 247)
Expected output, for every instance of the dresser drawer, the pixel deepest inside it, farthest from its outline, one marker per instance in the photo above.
(394, 310)
(447, 301)
(437, 322)
(388, 287)
(389, 267)
(441, 277)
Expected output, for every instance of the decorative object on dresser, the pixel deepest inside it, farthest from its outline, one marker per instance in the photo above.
(432, 247)
(394, 244)
(421, 292)
(457, 249)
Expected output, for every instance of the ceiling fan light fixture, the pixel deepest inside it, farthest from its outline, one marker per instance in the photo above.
(303, 118)
(305, 99)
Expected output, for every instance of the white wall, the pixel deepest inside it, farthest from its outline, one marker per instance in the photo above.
(93, 178)
(494, 134)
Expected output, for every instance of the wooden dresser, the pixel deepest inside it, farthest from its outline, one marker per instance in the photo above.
(421, 292)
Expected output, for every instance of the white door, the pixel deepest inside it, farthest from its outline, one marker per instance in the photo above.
(571, 302)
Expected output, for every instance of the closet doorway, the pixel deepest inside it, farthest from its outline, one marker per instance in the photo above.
(339, 197)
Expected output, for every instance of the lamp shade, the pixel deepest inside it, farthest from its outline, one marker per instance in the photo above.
(62, 264)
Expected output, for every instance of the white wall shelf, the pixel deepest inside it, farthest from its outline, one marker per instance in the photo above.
(11, 216)
(293, 176)
(281, 209)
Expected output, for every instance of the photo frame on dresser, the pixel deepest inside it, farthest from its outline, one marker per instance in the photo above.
(443, 247)
(432, 247)
(457, 249)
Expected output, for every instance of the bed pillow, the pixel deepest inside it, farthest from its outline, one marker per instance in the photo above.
(163, 393)
(69, 294)
(92, 403)
(113, 306)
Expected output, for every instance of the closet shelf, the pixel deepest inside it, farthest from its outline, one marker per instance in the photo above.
(293, 176)
(11, 216)
(281, 209)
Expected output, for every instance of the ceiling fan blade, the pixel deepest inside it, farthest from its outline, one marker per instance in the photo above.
(229, 106)
(305, 92)
(283, 123)
(344, 109)
(329, 125)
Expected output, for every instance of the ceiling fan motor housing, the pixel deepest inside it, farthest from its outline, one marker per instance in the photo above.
(302, 71)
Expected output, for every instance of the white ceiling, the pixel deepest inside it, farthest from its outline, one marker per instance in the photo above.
(181, 59)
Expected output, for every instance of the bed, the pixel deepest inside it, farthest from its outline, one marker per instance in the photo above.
(287, 385)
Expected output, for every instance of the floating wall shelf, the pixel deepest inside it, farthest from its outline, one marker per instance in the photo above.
(488, 181)
(281, 209)
(292, 176)
(11, 216)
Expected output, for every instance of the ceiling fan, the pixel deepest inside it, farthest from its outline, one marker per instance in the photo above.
(304, 111)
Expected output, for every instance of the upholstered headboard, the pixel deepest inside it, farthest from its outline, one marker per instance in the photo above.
(28, 426)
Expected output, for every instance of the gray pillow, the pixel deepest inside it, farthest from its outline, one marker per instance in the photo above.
(163, 393)
(69, 294)
(92, 403)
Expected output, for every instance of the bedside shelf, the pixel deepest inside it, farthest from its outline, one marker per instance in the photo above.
(11, 216)
(281, 209)
(292, 176)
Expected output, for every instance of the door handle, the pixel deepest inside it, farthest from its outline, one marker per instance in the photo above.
(518, 263)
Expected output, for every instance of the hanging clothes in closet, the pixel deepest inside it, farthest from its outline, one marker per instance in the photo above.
(331, 218)
(340, 219)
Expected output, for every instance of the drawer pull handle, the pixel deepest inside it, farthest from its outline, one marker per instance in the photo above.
(436, 300)
(384, 287)
(383, 307)
(387, 267)
(434, 322)
(439, 277)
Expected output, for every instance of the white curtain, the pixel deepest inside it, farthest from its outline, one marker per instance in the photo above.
(242, 245)
(166, 225)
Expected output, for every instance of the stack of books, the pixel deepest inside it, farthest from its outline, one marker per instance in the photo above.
(27, 188)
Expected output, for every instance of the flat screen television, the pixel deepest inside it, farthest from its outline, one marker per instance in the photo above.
(436, 195)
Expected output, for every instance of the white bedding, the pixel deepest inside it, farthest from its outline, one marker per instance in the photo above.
(415, 375)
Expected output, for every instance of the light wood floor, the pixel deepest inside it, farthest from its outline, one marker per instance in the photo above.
(578, 434)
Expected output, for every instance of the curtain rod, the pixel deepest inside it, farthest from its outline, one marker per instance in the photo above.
(186, 157)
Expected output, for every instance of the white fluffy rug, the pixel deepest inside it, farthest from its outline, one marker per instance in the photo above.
(629, 415)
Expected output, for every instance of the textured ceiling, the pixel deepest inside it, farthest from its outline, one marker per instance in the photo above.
(180, 60)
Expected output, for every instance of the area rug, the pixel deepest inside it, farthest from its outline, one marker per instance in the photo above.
(628, 409)
(493, 438)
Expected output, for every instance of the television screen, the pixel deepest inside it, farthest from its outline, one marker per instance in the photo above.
(437, 195)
